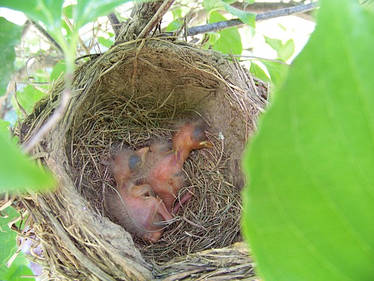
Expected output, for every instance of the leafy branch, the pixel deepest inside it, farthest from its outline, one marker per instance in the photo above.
(261, 16)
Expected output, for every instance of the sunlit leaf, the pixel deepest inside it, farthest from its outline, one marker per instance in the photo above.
(105, 42)
(258, 72)
(174, 25)
(89, 10)
(210, 5)
(17, 172)
(287, 50)
(284, 50)
(229, 41)
(10, 34)
(46, 11)
(246, 17)
(177, 13)
(276, 44)
(308, 209)
(68, 11)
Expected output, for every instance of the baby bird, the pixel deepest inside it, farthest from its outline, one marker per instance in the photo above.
(165, 175)
(135, 206)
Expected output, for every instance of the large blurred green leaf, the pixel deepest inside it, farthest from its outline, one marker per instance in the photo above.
(229, 41)
(46, 11)
(17, 172)
(89, 10)
(8, 248)
(309, 206)
(10, 34)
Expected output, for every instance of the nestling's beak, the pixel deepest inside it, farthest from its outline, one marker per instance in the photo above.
(205, 144)
(143, 153)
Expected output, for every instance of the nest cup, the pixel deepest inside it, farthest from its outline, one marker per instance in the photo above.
(135, 93)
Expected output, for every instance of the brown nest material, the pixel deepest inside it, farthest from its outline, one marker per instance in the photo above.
(133, 94)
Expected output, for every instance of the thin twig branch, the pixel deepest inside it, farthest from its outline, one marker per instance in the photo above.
(156, 18)
(116, 25)
(46, 35)
(261, 16)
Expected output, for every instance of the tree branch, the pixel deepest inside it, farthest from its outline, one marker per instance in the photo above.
(141, 14)
(260, 7)
(156, 18)
(261, 16)
(116, 25)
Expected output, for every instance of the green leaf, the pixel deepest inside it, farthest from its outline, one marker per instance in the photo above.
(174, 25)
(278, 72)
(105, 42)
(229, 41)
(17, 172)
(28, 97)
(276, 44)
(258, 72)
(246, 17)
(284, 51)
(68, 11)
(58, 70)
(67, 29)
(177, 13)
(89, 10)
(210, 5)
(287, 50)
(46, 11)
(308, 209)
(9, 247)
(10, 35)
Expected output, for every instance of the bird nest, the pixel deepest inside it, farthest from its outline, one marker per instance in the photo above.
(134, 94)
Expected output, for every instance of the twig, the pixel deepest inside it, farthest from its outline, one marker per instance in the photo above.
(46, 34)
(17, 101)
(156, 18)
(116, 25)
(261, 16)
(26, 27)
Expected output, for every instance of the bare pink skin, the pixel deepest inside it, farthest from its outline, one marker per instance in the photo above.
(165, 175)
(135, 206)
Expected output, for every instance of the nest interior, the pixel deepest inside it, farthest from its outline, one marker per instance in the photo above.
(136, 93)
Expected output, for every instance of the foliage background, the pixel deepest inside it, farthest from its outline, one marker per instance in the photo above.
(310, 198)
